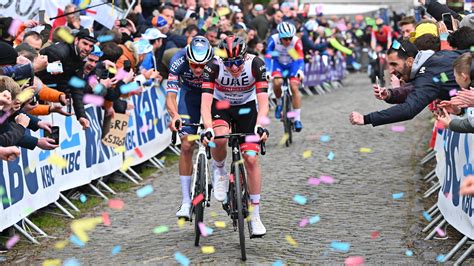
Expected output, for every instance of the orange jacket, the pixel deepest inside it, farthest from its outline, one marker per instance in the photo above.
(49, 95)
(41, 109)
(129, 53)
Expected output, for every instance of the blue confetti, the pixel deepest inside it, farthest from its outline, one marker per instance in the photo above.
(427, 216)
(83, 198)
(209, 230)
(285, 73)
(331, 156)
(301, 200)
(440, 258)
(244, 111)
(409, 253)
(314, 219)
(71, 262)
(397, 195)
(356, 65)
(116, 250)
(105, 38)
(340, 246)
(75, 240)
(274, 53)
(325, 138)
(396, 45)
(77, 82)
(98, 89)
(183, 260)
(144, 191)
(278, 263)
(51, 85)
(124, 89)
(211, 144)
(435, 79)
(251, 153)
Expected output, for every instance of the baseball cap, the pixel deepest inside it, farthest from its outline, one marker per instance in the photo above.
(85, 34)
(258, 7)
(159, 21)
(153, 34)
(424, 28)
(467, 21)
(143, 46)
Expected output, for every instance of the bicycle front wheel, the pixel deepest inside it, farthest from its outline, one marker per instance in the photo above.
(287, 123)
(240, 212)
(200, 189)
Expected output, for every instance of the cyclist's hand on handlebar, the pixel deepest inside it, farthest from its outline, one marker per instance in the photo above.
(176, 123)
(207, 136)
(268, 76)
(262, 132)
(300, 74)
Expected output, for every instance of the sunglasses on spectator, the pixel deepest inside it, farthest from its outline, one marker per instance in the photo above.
(238, 62)
(194, 65)
(286, 39)
(239, 17)
(398, 46)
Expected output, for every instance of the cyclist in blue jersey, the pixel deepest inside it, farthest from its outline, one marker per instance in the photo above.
(185, 76)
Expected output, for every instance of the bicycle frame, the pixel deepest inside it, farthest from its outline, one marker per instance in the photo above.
(201, 151)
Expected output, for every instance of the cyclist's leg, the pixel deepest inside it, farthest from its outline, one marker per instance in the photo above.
(277, 82)
(295, 85)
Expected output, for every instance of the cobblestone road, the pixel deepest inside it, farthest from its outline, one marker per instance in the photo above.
(357, 204)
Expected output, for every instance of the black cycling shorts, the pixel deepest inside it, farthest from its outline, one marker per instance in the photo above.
(243, 116)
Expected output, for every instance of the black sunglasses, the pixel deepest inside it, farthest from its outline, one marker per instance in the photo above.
(238, 62)
(287, 39)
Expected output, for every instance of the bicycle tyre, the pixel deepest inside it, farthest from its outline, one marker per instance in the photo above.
(240, 213)
(286, 120)
(289, 122)
(200, 188)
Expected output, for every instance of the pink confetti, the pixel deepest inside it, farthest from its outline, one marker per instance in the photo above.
(202, 228)
(12, 241)
(291, 114)
(14, 27)
(264, 121)
(92, 80)
(303, 222)
(440, 232)
(116, 204)
(453, 92)
(4, 117)
(398, 128)
(252, 138)
(326, 179)
(354, 261)
(144, 128)
(106, 218)
(121, 74)
(93, 99)
(313, 181)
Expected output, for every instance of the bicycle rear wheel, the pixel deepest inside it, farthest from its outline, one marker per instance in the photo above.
(240, 213)
(200, 188)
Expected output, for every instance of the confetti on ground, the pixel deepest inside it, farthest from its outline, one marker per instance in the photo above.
(61, 244)
(443, 77)
(244, 111)
(80, 226)
(52, 262)
(313, 181)
(409, 253)
(397, 195)
(193, 137)
(181, 222)
(126, 164)
(120, 149)
(325, 138)
(95, 100)
(440, 232)
(57, 160)
(340, 246)
(160, 229)
(77, 82)
(145, 191)
(183, 260)
(301, 200)
(222, 105)
(127, 88)
(427, 216)
(219, 224)
(198, 199)
(365, 150)
(252, 138)
(303, 222)
(25, 95)
(71, 262)
(105, 38)
(116, 250)
(314, 219)
(213, 214)
(331, 156)
(83, 198)
(326, 179)
(106, 218)
(211, 144)
(138, 152)
(12, 241)
(398, 128)
(291, 241)
(453, 92)
(307, 154)
(283, 139)
(291, 114)
(354, 261)
(207, 249)
(202, 229)
(440, 258)
(65, 36)
(278, 263)
(374, 234)
(75, 240)
(116, 204)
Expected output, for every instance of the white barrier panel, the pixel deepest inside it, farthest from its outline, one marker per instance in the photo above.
(455, 157)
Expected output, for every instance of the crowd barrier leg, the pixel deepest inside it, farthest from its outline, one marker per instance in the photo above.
(96, 190)
(174, 149)
(129, 177)
(433, 233)
(36, 228)
(25, 234)
(327, 87)
(435, 211)
(306, 90)
(432, 223)
(64, 210)
(431, 155)
(157, 163)
(68, 202)
(135, 174)
(464, 256)
(430, 174)
(431, 179)
(104, 185)
(456, 248)
(432, 190)
(432, 208)
(320, 90)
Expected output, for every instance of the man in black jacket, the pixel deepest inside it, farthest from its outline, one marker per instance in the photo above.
(72, 58)
(432, 77)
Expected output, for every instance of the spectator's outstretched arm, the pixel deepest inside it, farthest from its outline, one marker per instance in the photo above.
(9, 153)
(13, 136)
(436, 10)
(461, 126)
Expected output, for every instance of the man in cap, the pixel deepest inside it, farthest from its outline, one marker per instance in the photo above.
(155, 38)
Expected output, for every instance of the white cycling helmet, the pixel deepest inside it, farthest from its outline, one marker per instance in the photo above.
(199, 51)
(286, 30)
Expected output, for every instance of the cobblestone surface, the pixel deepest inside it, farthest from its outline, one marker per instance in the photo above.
(357, 204)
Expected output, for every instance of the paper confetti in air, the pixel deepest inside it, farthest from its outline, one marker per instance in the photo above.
(340, 246)
(354, 261)
(127, 88)
(326, 179)
(331, 156)
(106, 218)
(440, 232)
(301, 200)
(207, 249)
(75, 240)
(71, 262)
(83, 198)
(138, 152)
(409, 253)
(453, 92)
(251, 153)
(291, 241)
(95, 100)
(14, 25)
(84, 4)
(223, 105)
(126, 164)
(435, 79)
(440, 258)
(116, 250)
(274, 54)
(120, 149)
(219, 224)
(252, 138)
(314, 219)
(472, 49)
(443, 77)
(264, 121)
(25, 95)
(313, 181)
(198, 199)
(52, 262)
(325, 138)
(160, 229)
(183, 260)
(116, 204)
(105, 38)
(374, 234)
(12, 241)
(278, 263)
(57, 160)
(307, 154)
(77, 82)
(181, 222)
(211, 144)
(145, 191)
(365, 150)
(121, 74)
(81, 226)
(291, 114)
(2, 190)
(193, 137)
(398, 128)
(397, 195)
(294, 54)
(283, 139)
(244, 111)
(144, 128)
(303, 222)
(61, 244)
(427, 216)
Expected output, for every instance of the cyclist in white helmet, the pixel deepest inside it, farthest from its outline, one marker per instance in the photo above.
(284, 55)
(186, 69)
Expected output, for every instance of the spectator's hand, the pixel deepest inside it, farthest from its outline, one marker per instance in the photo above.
(108, 83)
(47, 144)
(443, 117)
(23, 120)
(422, 2)
(467, 186)
(58, 109)
(63, 99)
(451, 106)
(9, 153)
(380, 93)
(395, 81)
(356, 118)
(40, 63)
(109, 64)
(84, 123)
(129, 77)
(45, 125)
(16, 105)
(21, 60)
(442, 27)
(467, 97)
(138, 9)
(31, 23)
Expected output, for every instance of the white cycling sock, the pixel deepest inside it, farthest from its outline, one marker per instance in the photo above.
(219, 165)
(298, 114)
(185, 186)
(255, 199)
(279, 101)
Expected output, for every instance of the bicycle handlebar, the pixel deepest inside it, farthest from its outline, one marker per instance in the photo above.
(263, 149)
